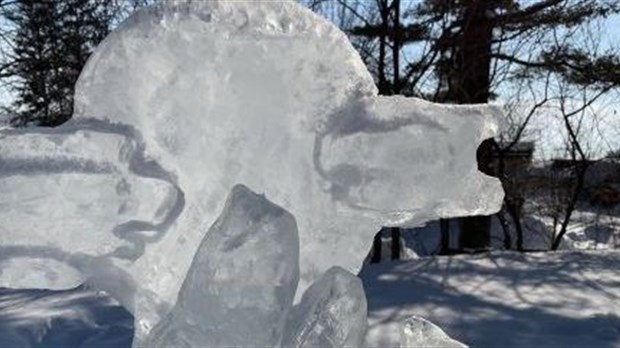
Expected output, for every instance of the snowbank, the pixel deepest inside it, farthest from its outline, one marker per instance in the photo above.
(561, 299)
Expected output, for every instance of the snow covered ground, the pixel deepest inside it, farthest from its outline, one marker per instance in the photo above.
(587, 230)
(503, 299)
(61, 319)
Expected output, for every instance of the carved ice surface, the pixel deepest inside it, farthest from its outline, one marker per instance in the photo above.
(239, 289)
(332, 313)
(241, 284)
(187, 99)
(417, 332)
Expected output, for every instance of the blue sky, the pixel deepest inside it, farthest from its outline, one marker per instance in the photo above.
(613, 27)
(604, 128)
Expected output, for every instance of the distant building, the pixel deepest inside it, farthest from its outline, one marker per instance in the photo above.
(517, 158)
(512, 164)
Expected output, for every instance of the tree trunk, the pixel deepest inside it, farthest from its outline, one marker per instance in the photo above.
(471, 86)
(384, 12)
(396, 247)
(396, 46)
(580, 173)
(376, 249)
(444, 226)
(514, 209)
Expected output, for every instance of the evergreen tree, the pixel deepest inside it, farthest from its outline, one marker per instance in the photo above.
(52, 43)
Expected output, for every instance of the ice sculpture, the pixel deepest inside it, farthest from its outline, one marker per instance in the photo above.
(239, 289)
(241, 284)
(417, 332)
(187, 99)
(332, 313)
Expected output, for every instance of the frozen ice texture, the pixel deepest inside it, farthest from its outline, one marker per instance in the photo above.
(240, 287)
(241, 284)
(185, 100)
(417, 332)
(332, 313)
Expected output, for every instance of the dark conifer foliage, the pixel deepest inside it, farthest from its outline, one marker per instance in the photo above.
(53, 40)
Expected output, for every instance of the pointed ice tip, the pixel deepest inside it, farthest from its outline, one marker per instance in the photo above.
(240, 189)
(243, 199)
(419, 332)
(332, 313)
(241, 193)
